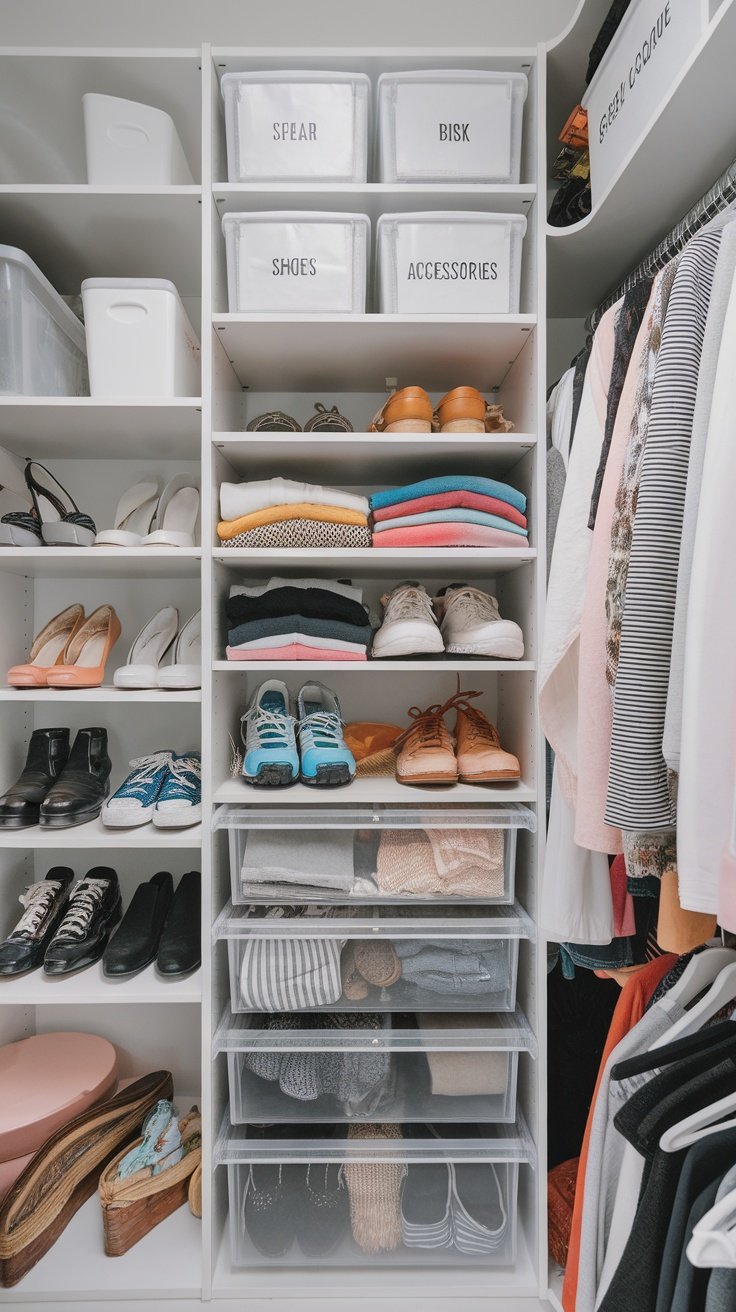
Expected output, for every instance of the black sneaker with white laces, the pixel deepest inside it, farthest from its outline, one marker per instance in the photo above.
(44, 904)
(93, 909)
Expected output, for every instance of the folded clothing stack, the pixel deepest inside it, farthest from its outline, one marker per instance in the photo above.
(463, 862)
(456, 510)
(277, 859)
(455, 966)
(279, 512)
(359, 1081)
(471, 1074)
(297, 620)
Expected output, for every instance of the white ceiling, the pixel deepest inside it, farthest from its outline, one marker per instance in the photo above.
(282, 22)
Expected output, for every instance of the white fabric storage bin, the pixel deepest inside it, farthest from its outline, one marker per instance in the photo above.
(129, 144)
(42, 343)
(296, 262)
(140, 340)
(460, 125)
(296, 126)
(452, 262)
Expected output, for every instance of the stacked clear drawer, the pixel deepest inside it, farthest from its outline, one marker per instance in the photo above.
(373, 1038)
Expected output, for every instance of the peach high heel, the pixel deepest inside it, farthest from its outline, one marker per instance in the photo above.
(406, 411)
(87, 651)
(48, 649)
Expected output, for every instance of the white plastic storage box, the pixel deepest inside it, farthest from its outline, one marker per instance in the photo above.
(129, 144)
(284, 958)
(454, 262)
(296, 126)
(139, 338)
(372, 854)
(42, 342)
(441, 1067)
(380, 1185)
(462, 125)
(293, 262)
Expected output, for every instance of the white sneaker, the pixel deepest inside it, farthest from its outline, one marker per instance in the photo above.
(471, 625)
(409, 624)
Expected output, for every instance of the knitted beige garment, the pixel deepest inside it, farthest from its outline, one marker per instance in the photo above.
(375, 1194)
(464, 862)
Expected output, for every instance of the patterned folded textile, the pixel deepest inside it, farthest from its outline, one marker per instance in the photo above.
(295, 651)
(361, 1081)
(230, 528)
(318, 602)
(276, 625)
(238, 499)
(457, 515)
(303, 533)
(428, 487)
(446, 500)
(448, 535)
(463, 862)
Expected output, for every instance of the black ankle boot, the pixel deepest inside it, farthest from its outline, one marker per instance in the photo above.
(48, 751)
(84, 783)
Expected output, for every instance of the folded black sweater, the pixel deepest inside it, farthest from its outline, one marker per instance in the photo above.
(315, 603)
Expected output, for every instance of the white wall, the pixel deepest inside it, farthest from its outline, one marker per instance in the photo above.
(283, 22)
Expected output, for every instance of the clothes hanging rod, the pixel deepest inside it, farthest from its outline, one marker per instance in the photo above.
(716, 199)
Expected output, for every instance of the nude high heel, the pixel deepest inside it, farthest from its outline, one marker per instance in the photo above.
(48, 649)
(87, 651)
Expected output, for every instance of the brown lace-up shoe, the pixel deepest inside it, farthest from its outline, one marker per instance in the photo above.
(480, 756)
(425, 753)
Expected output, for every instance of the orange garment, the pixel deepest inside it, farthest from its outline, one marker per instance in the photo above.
(630, 1008)
(230, 528)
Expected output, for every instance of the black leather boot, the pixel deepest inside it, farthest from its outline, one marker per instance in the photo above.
(83, 785)
(48, 751)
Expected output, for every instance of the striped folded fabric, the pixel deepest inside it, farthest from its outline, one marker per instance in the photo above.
(428, 487)
(446, 501)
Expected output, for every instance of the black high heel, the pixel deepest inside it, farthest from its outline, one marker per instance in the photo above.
(69, 528)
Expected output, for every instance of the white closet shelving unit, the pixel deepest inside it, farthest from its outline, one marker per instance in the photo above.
(96, 448)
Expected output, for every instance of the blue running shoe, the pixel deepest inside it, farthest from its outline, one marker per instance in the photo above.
(267, 730)
(180, 801)
(135, 799)
(326, 760)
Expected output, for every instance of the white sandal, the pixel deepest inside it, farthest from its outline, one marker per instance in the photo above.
(177, 514)
(141, 668)
(133, 518)
(186, 670)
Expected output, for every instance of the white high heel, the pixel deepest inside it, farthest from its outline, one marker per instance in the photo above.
(133, 518)
(177, 514)
(186, 670)
(141, 668)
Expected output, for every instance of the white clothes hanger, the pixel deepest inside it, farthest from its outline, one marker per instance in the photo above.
(698, 1125)
(713, 1241)
(716, 967)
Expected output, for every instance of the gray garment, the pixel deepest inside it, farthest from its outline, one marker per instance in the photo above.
(454, 966)
(721, 1290)
(274, 625)
(720, 294)
(606, 1150)
(556, 475)
(317, 857)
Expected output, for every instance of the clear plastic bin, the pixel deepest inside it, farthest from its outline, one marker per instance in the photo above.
(461, 125)
(43, 350)
(296, 126)
(378, 853)
(296, 262)
(374, 1196)
(352, 958)
(396, 1068)
(450, 262)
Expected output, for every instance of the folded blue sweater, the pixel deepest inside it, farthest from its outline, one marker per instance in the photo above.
(456, 515)
(428, 487)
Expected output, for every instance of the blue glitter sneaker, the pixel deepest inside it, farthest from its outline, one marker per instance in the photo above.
(135, 799)
(180, 801)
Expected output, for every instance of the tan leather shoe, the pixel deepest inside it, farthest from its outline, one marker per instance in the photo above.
(465, 410)
(480, 756)
(406, 411)
(425, 752)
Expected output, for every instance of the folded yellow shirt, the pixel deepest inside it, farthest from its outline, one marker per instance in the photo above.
(230, 528)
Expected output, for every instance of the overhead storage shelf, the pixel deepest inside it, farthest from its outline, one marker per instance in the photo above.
(69, 427)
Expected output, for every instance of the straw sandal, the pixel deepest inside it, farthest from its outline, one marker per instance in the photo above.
(465, 410)
(134, 1205)
(64, 1173)
(406, 411)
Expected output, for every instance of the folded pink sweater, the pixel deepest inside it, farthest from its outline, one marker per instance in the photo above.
(449, 535)
(446, 500)
(296, 651)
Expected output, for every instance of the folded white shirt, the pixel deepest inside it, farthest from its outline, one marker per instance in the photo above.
(237, 499)
(327, 585)
(304, 639)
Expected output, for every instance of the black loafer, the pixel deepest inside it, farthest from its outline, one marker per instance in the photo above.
(44, 903)
(180, 949)
(272, 1198)
(48, 751)
(81, 789)
(93, 909)
(323, 1215)
(135, 942)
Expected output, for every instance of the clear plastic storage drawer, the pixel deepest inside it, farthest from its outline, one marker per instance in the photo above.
(338, 1068)
(379, 1195)
(462, 125)
(392, 854)
(296, 126)
(450, 262)
(296, 262)
(352, 958)
(43, 349)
